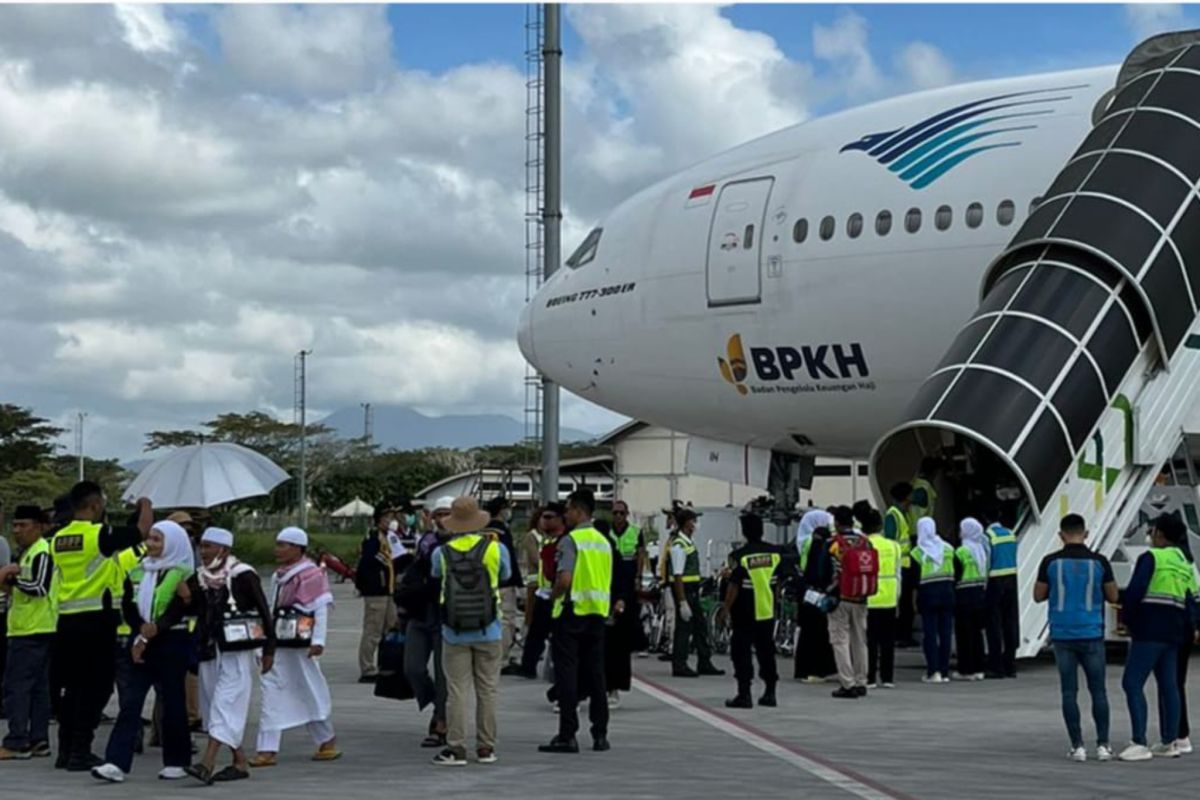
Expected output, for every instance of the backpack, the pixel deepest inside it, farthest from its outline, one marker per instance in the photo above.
(860, 567)
(469, 603)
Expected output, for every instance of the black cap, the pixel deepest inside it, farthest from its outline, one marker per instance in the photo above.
(29, 512)
(683, 514)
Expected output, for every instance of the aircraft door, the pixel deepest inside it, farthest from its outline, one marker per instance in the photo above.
(734, 271)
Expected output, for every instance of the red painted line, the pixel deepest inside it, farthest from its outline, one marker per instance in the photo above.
(793, 748)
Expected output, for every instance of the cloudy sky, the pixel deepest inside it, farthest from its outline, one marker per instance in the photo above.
(190, 195)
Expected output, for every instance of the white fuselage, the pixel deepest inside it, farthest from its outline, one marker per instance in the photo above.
(837, 333)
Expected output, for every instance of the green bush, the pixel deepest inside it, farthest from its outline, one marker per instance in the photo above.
(258, 547)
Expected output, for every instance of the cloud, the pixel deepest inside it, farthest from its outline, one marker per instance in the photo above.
(923, 66)
(146, 28)
(1148, 19)
(844, 46)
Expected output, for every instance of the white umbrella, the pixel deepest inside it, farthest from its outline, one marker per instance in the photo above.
(206, 475)
(355, 508)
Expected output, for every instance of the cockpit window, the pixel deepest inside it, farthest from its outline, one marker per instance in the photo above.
(586, 252)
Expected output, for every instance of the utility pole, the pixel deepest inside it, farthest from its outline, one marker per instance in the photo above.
(552, 224)
(79, 418)
(301, 410)
(368, 420)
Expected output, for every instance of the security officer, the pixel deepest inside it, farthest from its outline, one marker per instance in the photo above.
(882, 606)
(87, 617)
(629, 554)
(581, 608)
(690, 626)
(750, 606)
(1003, 626)
(898, 527)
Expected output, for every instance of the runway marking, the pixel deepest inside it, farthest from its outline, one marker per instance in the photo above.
(815, 765)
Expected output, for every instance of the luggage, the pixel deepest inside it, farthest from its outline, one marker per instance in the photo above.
(859, 577)
(293, 628)
(469, 600)
(391, 683)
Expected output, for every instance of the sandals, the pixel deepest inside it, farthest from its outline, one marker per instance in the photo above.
(263, 760)
(230, 773)
(200, 773)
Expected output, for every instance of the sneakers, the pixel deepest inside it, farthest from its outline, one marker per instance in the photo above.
(614, 699)
(108, 772)
(813, 679)
(15, 755)
(845, 694)
(1136, 752)
(1077, 754)
(1165, 750)
(978, 676)
(861, 691)
(872, 685)
(958, 676)
(486, 755)
(1104, 753)
(172, 774)
(935, 678)
(1184, 746)
(449, 758)
(888, 685)
(42, 750)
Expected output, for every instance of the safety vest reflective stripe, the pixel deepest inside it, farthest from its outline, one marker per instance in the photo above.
(971, 576)
(761, 568)
(1004, 551)
(888, 593)
(591, 577)
(30, 615)
(1173, 580)
(691, 565)
(84, 575)
(934, 573)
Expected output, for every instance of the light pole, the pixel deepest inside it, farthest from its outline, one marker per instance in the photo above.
(366, 407)
(79, 418)
(301, 402)
(552, 223)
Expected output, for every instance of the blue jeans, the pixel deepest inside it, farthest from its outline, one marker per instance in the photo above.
(936, 625)
(1070, 656)
(1159, 658)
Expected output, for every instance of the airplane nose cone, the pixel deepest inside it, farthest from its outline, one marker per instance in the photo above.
(525, 334)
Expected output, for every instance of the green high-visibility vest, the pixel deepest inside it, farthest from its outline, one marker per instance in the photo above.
(805, 547)
(761, 569)
(915, 512)
(83, 574)
(592, 576)
(903, 533)
(888, 594)
(972, 576)
(29, 616)
(931, 572)
(124, 563)
(164, 592)
(691, 566)
(627, 542)
(1174, 577)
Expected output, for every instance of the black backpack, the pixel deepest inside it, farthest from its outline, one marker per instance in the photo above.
(470, 602)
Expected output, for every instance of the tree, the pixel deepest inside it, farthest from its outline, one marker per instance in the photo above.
(40, 486)
(25, 439)
(278, 441)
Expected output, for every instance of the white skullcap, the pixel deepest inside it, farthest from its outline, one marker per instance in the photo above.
(218, 536)
(293, 536)
(444, 503)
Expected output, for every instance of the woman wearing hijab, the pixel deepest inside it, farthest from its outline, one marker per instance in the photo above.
(235, 625)
(814, 653)
(970, 609)
(160, 653)
(935, 599)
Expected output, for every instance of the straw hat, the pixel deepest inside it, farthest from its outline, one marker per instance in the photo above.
(465, 516)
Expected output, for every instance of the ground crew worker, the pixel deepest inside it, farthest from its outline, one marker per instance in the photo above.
(750, 608)
(87, 617)
(970, 605)
(691, 628)
(581, 598)
(1004, 614)
(935, 598)
(923, 502)
(882, 606)
(32, 620)
(896, 528)
(1160, 610)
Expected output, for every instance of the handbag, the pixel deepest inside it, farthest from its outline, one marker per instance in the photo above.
(392, 683)
(239, 630)
(293, 628)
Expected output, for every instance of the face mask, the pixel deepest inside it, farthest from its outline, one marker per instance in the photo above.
(393, 526)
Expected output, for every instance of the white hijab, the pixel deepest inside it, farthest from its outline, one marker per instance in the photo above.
(177, 552)
(817, 518)
(975, 540)
(930, 543)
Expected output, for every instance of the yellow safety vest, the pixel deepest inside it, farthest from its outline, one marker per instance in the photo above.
(915, 512)
(29, 616)
(591, 577)
(84, 576)
(761, 569)
(124, 564)
(888, 593)
(691, 564)
(933, 573)
(903, 534)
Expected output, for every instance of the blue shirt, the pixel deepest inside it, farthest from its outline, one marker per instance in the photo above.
(1076, 577)
(492, 633)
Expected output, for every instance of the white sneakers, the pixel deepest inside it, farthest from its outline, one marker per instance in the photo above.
(1165, 750)
(936, 677)
(108, 772)
(978, 676)
(1184, 746)
(1104, 753)
(888, 685)
(172, 774)
(1136, 752)
(1077, 754)
(614, 699)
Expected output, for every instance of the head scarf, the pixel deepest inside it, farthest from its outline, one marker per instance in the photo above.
(930, 543)
(975, 540)
(817, 518)
(177, 552)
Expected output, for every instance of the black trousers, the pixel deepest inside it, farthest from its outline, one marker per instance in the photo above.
(910, 579)
(757, 637)
(3, 656)
(618, 649)
(881, 645)
(165, 669)
(1003, 627)
(27, 691)
(578, 648)
(693, 633)
(536, 636)
(969, 624)
(814, 653)
(83, 650)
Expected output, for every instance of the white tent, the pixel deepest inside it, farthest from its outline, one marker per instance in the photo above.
(355, 508)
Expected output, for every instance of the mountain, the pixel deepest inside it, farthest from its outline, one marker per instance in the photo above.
(401, 428)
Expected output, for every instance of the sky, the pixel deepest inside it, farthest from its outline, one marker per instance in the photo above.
(190, 195)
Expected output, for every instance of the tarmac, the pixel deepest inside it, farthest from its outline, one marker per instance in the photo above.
(674, 738)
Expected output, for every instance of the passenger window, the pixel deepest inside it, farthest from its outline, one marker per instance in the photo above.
(974, 215)
(854, 225)
(800, 231)
(748, 238)
(1005, 212)
(586, 252)
(827, 226)
(883, 223)
(912, 220)
(943, 217)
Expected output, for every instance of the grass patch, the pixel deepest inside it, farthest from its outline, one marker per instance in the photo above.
(258, 547)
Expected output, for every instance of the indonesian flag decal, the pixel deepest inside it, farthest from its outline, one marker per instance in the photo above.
(701, 196)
